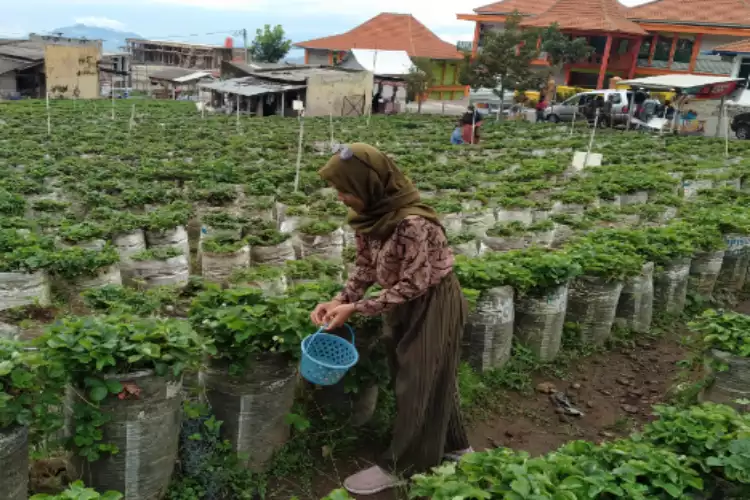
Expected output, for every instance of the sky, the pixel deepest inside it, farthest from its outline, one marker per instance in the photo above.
(211, 21)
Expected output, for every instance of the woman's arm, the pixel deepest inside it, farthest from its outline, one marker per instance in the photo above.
(361, 278)
(412, 236)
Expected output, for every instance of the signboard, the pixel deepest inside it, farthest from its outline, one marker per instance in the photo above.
(298, 105)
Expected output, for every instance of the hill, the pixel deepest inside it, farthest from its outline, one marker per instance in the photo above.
(112, 40)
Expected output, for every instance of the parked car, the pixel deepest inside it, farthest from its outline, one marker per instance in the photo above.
(564, 111)
(740, 125)
(487, 102)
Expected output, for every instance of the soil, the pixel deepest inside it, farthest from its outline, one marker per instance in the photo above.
(614, 390)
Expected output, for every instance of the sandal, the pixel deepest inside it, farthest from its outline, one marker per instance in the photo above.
(371, 481)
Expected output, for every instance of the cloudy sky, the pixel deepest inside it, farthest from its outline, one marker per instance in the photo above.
(210, 21)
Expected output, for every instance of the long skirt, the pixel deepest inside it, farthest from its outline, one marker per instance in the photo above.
(424, 340)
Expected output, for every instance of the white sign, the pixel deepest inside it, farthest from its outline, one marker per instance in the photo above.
(298, 105)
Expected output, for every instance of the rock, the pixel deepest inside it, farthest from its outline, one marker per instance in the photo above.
(576, 386)
(564, 419)
(623, 381)
(560, 411)
(546, 388)
(630, 409)
(606, 392)
(509, 434)
(634, 357)
(607, 434)
(8, 331)
(635, 391)
(590, 404)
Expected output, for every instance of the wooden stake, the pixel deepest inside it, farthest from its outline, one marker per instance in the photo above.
(49, 119)
(299, 149)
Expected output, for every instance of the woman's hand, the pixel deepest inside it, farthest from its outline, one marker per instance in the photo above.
(338, 316)
(321, 311)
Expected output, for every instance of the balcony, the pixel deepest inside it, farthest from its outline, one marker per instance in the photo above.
(707, 66)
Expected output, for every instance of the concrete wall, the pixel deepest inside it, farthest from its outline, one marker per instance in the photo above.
(317, 56)
(7, 84)
(326, 92)
(72, 71)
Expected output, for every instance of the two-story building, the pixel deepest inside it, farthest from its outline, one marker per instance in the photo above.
(400, 32)
(655, 38)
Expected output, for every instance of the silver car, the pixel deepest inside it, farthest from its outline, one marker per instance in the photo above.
(576, 105)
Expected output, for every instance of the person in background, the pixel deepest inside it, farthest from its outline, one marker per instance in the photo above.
(540, 107)
(457, 135)
(472, 116)
(466, 132)
(668, 110)
(402, 246)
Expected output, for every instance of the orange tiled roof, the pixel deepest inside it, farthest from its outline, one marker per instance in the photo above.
(739, 47)
(589, 15)
(525, 7)
(719, 12)
(389, 32)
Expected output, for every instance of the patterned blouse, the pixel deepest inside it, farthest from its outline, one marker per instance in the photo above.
(413, 259)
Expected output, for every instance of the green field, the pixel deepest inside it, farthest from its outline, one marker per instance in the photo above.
(142, 243)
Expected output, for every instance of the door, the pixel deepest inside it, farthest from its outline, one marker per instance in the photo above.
(353, 105)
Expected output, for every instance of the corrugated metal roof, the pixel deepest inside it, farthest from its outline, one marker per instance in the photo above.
(193, 76)
(171, 73)
(7, 65)
(248, 86)
(298, 74)
(31, 52)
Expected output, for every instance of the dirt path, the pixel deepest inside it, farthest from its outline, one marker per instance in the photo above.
(615, 391)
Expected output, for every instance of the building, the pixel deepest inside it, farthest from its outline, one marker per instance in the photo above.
(323, 90)
(739, 54)
(178, 55)
(115, 72)
(655, 38)
(63, 67)
(391, 32)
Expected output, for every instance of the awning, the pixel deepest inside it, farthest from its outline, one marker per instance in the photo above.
(700, 87)
(238, 86)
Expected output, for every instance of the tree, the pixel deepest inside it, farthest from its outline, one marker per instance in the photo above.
(419, 79)
(270, 44)
(562, 49)
(504, 61)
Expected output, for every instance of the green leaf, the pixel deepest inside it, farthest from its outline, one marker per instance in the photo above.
(99, 393)
(113, 386)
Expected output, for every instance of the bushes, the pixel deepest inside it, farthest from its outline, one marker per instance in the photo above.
(669, 460)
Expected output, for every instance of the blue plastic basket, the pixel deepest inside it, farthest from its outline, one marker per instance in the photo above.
(326, 358)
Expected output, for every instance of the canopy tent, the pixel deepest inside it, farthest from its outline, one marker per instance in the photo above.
(697, 86)
(385, 63)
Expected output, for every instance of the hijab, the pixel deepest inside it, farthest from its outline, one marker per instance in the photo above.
(387, 194)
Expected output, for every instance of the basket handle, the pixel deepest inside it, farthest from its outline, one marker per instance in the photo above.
(322, 329)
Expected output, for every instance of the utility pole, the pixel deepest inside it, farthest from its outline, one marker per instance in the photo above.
(244, 43)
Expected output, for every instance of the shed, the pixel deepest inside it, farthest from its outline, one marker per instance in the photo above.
(21, 69)
(323, 89)
(177, 82)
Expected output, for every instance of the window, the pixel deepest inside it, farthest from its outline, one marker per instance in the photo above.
(616, 99)
(622, 49)
(645, 50)
(585, 98)
(684, 50)
(744, 68)
(663, 48)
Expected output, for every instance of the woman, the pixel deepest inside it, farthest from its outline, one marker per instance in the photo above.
(402, 246)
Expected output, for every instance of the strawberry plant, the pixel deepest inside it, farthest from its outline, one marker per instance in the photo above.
(726, 331)
(77, 491)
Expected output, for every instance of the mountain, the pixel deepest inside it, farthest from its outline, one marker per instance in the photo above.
(112, 40)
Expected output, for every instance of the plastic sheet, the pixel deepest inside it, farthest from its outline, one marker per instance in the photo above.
(453, 223)
(735, 264)
(636, 198)
(477, 223)
(153, 273)
(592, 303)
(488, 336)
(539, 321)
(704, 271)
(469, 248)
(146, 431)
(726, 387)
(523, 215)
(14, 463)
(326, 246)
(218, 267)
(253, 405)
(273, 255)
(127, 245)
(635, 307)
(670, 287)
(106, 276)
(20, 289)
(176, 237)
(505, 243)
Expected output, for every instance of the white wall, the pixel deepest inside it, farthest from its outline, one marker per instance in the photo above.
(326, 92)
